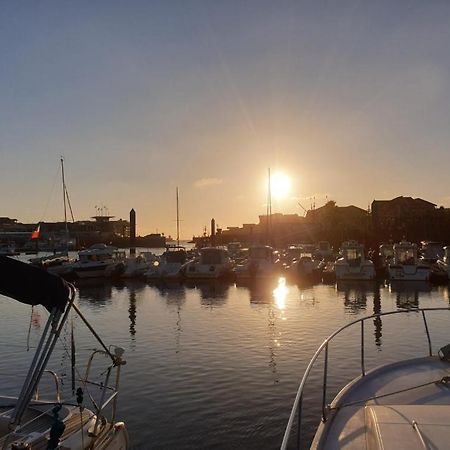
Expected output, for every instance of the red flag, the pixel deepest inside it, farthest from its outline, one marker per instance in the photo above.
(35, 234)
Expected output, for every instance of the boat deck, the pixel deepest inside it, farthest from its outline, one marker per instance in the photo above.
(356, 420)
(39, 420)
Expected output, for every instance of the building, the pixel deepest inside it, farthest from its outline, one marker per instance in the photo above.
(409, 218)
(56, 235)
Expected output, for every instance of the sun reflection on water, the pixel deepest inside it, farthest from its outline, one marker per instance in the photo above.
(280, 294)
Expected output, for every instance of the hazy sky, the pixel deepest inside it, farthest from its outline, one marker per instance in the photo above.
(350, 98)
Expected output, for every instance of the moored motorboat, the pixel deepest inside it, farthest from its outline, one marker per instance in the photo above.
(168, 266)
(306, 265)
(400, 405)
(30, 423)
(137, 265)
(352, 265)
(260, 263)
(324, 250)
(99, 261)
(406, 266)
(58, 264)
(214, 262)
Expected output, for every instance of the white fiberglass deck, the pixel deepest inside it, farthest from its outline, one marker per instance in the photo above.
(362, 416)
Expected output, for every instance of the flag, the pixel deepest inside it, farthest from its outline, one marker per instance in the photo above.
(35, 234)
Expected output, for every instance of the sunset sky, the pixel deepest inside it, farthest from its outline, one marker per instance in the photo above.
(351, 99)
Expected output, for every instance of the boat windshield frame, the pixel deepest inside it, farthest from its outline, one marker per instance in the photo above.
(405, 255)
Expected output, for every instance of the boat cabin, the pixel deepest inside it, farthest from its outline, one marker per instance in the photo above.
(353, 253)
(405, 253)
(175, 255)
(213, 255)
(101, 252)
(431, 251)
(324, 249)
(263, 252)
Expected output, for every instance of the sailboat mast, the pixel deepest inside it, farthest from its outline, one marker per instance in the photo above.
(269, 207)
(64, 193)
(178, 221)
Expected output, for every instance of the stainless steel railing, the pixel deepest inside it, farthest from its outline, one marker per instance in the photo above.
(298, 402)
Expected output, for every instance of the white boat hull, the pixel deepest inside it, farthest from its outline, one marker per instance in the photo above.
(196, 271)
(362, 272)
(409, 273)
(96, 270)
(164, 271)
(255, 270)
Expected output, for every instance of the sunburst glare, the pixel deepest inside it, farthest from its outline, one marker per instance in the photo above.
(280, 185)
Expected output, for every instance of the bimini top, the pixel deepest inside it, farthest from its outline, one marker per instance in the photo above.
(32, 285)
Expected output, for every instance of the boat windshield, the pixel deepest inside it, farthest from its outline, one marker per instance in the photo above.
(211, 256)
(354, 256)
(406, 256)
(177, 256)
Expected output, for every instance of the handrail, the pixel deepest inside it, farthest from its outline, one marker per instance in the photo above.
(297, 406)
(56, 380)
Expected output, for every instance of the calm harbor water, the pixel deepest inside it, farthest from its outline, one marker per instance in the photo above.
(217, 365)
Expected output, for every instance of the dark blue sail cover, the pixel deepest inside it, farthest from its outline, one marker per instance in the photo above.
(32, 285)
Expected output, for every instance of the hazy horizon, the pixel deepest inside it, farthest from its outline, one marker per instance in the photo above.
(351, 99)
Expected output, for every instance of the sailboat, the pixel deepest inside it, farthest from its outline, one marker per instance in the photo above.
(59, 263)
(261, 261)
(169, 266)
(30, 423)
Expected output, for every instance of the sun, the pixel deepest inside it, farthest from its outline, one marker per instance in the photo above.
(280, 185)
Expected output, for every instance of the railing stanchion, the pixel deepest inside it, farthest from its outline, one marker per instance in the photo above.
(299, 421)
(324, 391)
(428, 333)
(363, 369)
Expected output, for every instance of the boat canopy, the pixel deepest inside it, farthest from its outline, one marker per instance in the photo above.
(32, 285)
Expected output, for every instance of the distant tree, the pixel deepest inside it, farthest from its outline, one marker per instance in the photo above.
(330, 204)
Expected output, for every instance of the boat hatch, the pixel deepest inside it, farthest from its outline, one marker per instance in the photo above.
(420, 427)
